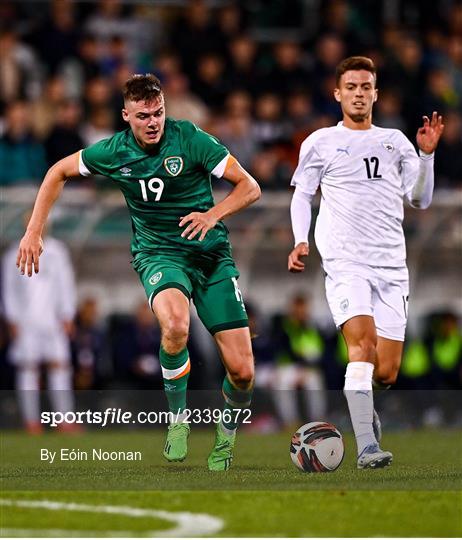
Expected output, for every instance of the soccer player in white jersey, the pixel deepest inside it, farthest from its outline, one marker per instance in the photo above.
(364, 172)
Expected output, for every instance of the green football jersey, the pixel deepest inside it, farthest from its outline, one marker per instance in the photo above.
(161, 187)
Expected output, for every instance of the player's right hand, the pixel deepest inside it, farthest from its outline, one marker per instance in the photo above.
(30, 249)
(295, 263)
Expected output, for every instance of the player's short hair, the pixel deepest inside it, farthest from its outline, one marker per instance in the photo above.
(142, 88)
(355, 63)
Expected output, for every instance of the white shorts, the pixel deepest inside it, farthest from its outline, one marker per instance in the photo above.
(358, 289)
(35, 346)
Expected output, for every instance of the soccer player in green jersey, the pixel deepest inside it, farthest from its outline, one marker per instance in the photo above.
(180, 245)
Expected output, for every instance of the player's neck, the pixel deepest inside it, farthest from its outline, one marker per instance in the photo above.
(363, 124)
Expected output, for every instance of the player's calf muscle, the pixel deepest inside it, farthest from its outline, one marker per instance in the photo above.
(386, 374)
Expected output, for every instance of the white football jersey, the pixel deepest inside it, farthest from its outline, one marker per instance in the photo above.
(43, 300)
(363, 175)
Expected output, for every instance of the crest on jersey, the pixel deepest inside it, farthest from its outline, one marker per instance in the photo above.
(388, 146)
(155, 278)
(173, 165)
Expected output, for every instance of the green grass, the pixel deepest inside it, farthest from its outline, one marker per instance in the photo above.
(262, 495)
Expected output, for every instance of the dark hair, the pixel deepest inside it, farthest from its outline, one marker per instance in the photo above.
(142, 88)
(355, 63)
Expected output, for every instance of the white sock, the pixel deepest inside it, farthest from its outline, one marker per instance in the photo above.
(27, 385)
(60, 389)
(358, 393)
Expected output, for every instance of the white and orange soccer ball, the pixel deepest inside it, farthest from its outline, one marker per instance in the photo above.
(317, 447)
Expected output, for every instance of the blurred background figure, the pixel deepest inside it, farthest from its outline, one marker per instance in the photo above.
(22, 156)
(182, 104)
(300, 348)
(88, 345)
(136, 339)
(64, 138)
(40, 311)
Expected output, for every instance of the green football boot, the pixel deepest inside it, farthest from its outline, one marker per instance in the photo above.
(221, 456)
(176, 445)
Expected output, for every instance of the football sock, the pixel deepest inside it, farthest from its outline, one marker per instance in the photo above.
(358, 393)
(27, 385)
(235, 401)
(175, 370)
(60, 388)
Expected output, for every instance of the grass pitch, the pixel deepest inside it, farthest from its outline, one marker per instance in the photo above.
(262, 495)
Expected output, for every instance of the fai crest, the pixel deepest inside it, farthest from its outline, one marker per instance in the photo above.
(173, 165)
(155, 278)
(388, 146)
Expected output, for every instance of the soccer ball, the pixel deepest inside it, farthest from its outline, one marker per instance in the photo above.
(317, 447)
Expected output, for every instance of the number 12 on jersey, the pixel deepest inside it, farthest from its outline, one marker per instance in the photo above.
(375, 161)
(154, 185)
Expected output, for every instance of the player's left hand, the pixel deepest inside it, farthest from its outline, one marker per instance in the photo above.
(199, 222)
(429, 134)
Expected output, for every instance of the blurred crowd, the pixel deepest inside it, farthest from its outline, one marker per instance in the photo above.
(258, 75)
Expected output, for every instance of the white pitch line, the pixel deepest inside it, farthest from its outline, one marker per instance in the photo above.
(62, 533)
(186, 523)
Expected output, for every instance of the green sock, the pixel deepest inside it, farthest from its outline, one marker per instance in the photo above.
(175, 369)
(235, 401)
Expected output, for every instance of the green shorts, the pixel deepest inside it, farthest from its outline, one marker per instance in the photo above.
(213, 289)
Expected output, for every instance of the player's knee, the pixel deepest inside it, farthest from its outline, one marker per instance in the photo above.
(57, 366)
(243, 376)
(176, 329)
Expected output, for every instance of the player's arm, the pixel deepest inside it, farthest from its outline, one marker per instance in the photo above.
(245, 192)
(419, 190)
(300, 216)
(306, 179)
(31, 245)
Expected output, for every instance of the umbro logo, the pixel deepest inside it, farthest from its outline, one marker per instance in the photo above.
(388, 146)
(126, 171)
(344, 150)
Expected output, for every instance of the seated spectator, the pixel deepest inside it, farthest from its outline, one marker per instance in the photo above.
(448, 162)
(388, 110)
(270, 127)
(22, 156)
(289, 70)
(209, 81)
(44, 108)
(236, 128)
(182, 104)
(100, 125)
(20, 72)
(267, 168)
(243, 71)
(64, 138)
